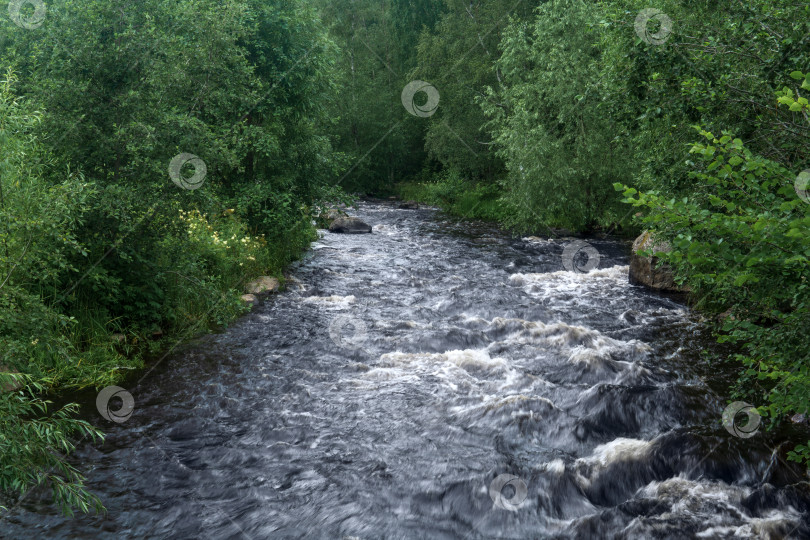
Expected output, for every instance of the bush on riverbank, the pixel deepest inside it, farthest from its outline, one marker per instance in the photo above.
(743, 247)
(457, 196)
(38, 220)
(34, 441)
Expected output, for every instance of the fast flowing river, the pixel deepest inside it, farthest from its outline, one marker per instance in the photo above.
(438, 379)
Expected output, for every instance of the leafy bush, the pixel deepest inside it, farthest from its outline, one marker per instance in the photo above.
(458, 196)
(38, 229)
(34, 444)
(742, 243)
(95, 238)
(554, 121)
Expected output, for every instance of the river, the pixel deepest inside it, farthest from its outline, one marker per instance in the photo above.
(438, 379)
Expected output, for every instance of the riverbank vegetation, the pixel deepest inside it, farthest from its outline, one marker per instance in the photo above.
(103, 258)
(691, 121)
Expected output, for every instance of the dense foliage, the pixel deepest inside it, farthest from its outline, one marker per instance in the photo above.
(742, 246)
(554, 119)
(458, 58)
(377, 41)
(97, 241)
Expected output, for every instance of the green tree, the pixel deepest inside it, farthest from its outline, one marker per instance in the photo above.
(378, 42)
(37, 230)
(554, 122)
(95, 238)
(125, 88)
(459, 57)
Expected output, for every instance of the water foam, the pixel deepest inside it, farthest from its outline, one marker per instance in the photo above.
(571, 279)
(333, 300)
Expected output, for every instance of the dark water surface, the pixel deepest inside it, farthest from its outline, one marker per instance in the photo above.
(402, 372)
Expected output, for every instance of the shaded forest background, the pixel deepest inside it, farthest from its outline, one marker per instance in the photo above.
(573, 114)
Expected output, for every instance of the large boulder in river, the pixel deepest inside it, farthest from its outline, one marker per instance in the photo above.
(645, 270)
(349, 225)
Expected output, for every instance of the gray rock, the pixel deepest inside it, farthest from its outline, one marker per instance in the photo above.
(349, 225)
(9, 386)
(262, 284)
(645, 270)
(325, 216)
(249, 299)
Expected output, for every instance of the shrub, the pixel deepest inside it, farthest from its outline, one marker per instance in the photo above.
(34, 444)
(742, 243)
